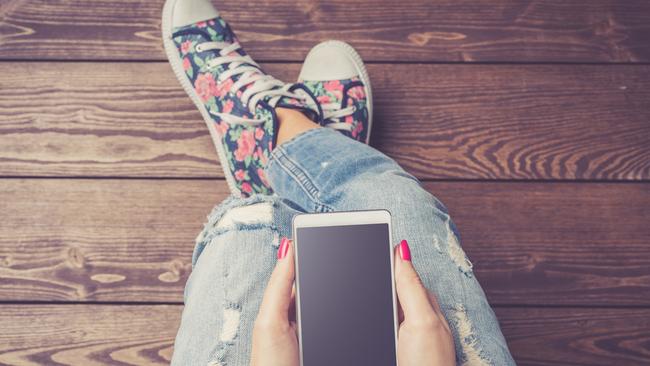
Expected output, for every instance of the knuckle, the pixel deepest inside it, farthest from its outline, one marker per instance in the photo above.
(410, 279)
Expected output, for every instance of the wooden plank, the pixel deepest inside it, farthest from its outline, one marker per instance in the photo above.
(88, 334)
(384, 30)
(131, 240)
(104, 240)
(143, 335)
(570, 336)
(438, 121)
(555, 243)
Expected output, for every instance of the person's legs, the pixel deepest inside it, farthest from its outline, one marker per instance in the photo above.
(233, 259)
(322, 170)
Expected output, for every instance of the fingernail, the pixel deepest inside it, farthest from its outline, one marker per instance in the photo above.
(404, 250)
(284, 248)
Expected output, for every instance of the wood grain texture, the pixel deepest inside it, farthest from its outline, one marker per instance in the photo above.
(577, 337)
(87, 335)
(106, 240)
(143, 335)
(438, 121)
(555, 243)
(384, 30)
(131, 240)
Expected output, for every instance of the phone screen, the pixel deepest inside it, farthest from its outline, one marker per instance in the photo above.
(345, 295)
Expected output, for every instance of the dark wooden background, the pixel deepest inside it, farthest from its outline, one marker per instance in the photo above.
(529, 119)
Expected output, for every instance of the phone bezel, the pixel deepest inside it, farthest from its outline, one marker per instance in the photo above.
(343, 218)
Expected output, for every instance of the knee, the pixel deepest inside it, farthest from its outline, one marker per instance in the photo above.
(398, 192)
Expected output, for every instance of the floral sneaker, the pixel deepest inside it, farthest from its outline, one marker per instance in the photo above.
(236, 98)
(334, 72)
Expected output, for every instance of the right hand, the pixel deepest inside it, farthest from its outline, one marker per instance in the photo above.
(424, 336)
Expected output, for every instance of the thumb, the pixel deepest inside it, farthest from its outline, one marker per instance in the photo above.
(277, 296)
(413, 296)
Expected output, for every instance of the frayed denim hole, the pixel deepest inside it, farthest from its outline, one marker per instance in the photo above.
(243, 227)
(436, 244)
(233, 202)
(454, 250)
(472, 354)
(255, 213)
(228, 334)
(213, 229)
(231, 320)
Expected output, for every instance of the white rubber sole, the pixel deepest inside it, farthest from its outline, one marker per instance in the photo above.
(361, 70)
(177, 66)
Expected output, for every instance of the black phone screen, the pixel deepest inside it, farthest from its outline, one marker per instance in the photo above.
(345, 295)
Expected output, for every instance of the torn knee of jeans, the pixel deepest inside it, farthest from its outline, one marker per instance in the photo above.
(252, 213)
(472, 355)
(458, 255)
(275, 242)
(258, 213)
(222, 214)
(454, 250)
(229, 330)
(436, 244)
(231, 317)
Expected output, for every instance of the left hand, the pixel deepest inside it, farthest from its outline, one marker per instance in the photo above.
(275, 341)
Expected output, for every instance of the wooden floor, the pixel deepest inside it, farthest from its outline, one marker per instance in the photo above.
(529, 119)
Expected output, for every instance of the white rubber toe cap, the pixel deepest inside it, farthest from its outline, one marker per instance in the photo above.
(186, 12)
(330, 60)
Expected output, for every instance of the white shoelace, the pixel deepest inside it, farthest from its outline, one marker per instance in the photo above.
(262, 85)
(332, 112)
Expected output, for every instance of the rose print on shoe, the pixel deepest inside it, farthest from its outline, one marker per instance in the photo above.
(235, 96)
(345, 100)
(245, 145)
(334, 90)
(185, 47)
(259, 133)
(205, 86)
(344, 105)
(240, 175)
(246, 188)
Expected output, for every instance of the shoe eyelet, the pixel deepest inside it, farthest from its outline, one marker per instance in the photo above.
(199, 47)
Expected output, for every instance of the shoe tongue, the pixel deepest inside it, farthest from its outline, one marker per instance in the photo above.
(215, 29)
(309, 107)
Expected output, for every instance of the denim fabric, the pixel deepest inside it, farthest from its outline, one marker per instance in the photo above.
(320, 171)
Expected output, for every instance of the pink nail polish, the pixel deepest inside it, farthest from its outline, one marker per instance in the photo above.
(284, 248)
(405, 251)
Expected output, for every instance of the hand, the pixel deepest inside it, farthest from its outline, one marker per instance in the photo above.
(275, 341)
(424, 337)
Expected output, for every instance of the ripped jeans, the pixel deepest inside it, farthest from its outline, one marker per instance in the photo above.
(321, 171)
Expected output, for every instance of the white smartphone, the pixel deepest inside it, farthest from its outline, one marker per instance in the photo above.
(346, 309)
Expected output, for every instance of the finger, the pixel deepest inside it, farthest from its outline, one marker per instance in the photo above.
(434, 302)
(413, 296)
(277, 296)
(292, 304)
(400, 312)
(436, 307)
